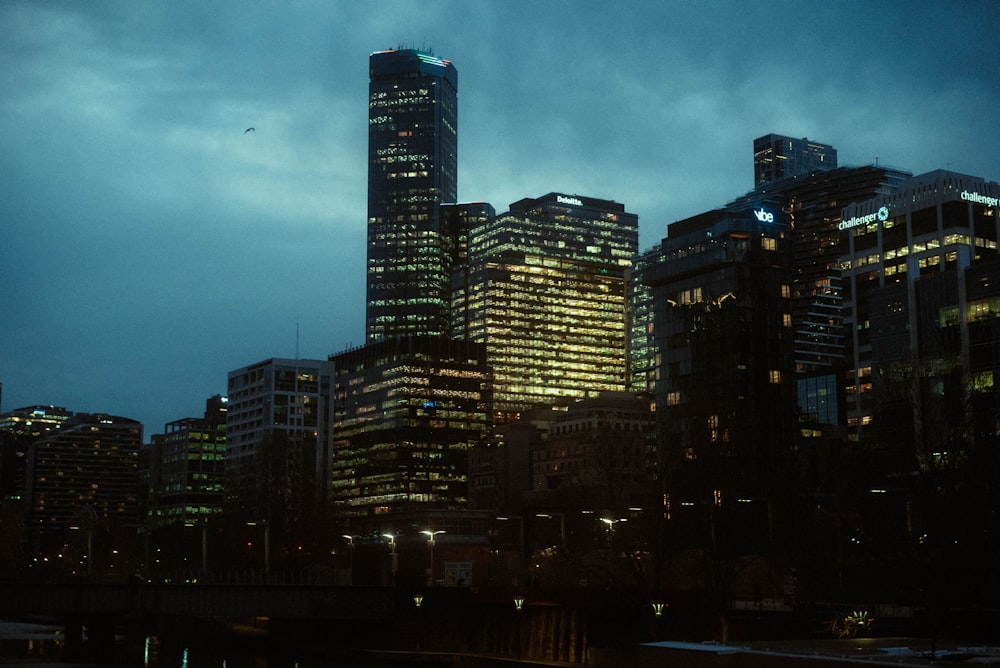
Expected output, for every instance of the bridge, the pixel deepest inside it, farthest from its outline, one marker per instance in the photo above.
(200, 600)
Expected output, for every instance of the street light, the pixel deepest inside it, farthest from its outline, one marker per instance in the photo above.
(393, 559)
(267, 545)
(430, 543)
(350, 562)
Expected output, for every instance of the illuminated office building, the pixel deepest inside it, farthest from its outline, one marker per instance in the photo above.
(777, 157)
(921, 277)
(406, 412)
(725, 389)
(20, 428)
(187, 467)
(278, 437)
(412, 170)
(640, 351)
(84, 475)
(546, 295)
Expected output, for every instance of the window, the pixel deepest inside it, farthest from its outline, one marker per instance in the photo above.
(774, 376)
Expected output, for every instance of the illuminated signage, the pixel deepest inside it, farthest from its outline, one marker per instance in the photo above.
(881, 215)
(568, 200)
(979, 199)
(764, 216)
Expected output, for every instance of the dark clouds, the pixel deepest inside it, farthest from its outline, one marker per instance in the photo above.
(149, 246)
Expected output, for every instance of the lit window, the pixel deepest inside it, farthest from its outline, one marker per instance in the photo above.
(774, 376)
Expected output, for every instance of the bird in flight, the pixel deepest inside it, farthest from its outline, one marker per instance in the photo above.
(248, 130)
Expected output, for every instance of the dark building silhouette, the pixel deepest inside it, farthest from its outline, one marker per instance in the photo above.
(725, 393)
(777, 157)
(83, 476)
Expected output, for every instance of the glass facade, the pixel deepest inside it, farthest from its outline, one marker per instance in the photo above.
(412, 169)
(725, 388)
(914, 261)
(406, 413)
(777, 157)
(546, 295)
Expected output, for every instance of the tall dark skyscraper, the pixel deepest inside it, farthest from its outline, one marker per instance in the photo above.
(412, 170)
(777, 157)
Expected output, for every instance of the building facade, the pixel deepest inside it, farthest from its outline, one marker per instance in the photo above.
(725, 388)
(278, 454)
(20, 428)
(84, 476)
(407, 411)
(187, 468)
(777, 157)
(412, 170)
(921, 284)
(546, 295)
(813, 203)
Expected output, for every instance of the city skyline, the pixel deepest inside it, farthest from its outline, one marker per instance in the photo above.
(152, 244)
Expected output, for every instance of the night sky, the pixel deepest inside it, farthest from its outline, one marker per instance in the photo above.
(150, 245)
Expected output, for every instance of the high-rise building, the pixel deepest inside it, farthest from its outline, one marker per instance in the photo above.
(725, 388)
(187, 467)
(406, 412)
(20, 428)
(546, 295)
(921, 280)
(777, 157)
(83, 475)
(412, 170)
(278, 437)
(813, 203)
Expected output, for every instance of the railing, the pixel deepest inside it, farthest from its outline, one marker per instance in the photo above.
(286, 601)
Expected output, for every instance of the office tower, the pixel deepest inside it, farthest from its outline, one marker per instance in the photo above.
(725, 392)
(83, 475)
(777, 157)
(458, 219)
(187, 467)
(412, 170)
(546, 296)
(20, 428)
(640, 350)
(406, 412)
(278, 438)
(921, 276)
(813, 203)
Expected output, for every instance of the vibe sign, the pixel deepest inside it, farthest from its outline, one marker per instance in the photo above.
(764, 216)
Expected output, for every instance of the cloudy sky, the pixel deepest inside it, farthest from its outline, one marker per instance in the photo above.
(149, 246)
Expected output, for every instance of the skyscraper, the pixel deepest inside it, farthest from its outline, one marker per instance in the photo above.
(412, 170)
(546, 294)
(777, 157)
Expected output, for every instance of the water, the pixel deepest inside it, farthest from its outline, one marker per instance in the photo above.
(42, 645)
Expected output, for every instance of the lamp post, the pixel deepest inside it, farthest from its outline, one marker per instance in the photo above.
(350, 561)
(267, 545)
(610, 525)
(430, 543)
(393, 558)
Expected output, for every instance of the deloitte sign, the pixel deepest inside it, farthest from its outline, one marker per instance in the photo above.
(881, 216)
